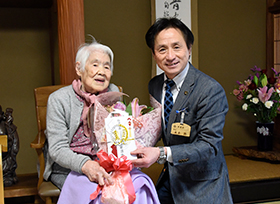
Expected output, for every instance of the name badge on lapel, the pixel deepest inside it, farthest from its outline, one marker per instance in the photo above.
(181, 128)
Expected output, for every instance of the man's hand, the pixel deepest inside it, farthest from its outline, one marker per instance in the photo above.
(96, 173)
(146, 156)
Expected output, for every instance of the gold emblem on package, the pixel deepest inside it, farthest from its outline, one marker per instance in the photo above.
(120, 136)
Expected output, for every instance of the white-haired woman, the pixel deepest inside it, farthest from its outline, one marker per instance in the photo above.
(70, 149)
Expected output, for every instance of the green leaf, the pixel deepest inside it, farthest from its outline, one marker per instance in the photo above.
(256, 80)
(263, 80)
(129, 109)
(147, 110)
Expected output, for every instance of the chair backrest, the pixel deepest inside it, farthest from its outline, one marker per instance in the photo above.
(46, 190)
(41, 99)
(4, 148)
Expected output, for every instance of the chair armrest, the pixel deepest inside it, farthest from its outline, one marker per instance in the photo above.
(39, 141)
(38, 145)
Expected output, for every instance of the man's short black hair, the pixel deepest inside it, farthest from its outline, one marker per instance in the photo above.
(165, 23)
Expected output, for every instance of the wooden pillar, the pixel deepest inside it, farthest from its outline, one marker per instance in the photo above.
(71, 35)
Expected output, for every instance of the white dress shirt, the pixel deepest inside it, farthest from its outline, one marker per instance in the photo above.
(179, 79)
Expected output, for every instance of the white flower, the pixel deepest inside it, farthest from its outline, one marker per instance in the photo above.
(264, 131)
(247, 82)
(268, 104)
(245, 106)
(255, 100)
(249, 96)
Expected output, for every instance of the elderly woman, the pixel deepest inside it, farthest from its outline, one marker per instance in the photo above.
(70, 149)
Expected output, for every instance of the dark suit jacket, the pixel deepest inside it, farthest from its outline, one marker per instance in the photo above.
(198, 173)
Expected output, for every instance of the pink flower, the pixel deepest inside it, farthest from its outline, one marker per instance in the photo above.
(120, 106)
(277, 84)
(236, 92)
(243, 87)
(264, 95)
(136, 109)
(240, 96)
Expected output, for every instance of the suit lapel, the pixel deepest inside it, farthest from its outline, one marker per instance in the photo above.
(158, 88)
(184, 95)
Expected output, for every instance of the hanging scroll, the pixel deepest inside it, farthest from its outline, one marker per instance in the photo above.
(180, 9)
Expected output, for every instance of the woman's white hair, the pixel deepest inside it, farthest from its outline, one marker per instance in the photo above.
(86, 49)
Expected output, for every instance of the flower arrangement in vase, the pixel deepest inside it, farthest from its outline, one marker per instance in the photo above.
(260, 95)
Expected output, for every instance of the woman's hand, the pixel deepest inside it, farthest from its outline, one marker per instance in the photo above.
(146, 156)
(96, 173)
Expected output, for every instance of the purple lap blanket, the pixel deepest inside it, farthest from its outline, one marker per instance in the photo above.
(78, 188)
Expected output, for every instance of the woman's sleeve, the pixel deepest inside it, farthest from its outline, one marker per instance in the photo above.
(58, 132)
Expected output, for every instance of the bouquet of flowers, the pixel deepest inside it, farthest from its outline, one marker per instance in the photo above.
(147, 126)
(117, 130)
(260, 95)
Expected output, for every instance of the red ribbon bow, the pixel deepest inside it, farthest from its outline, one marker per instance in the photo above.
(123, 165)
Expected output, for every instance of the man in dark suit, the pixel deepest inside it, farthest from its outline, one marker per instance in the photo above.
(194, 170)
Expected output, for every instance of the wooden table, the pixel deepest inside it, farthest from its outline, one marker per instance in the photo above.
(253, 152)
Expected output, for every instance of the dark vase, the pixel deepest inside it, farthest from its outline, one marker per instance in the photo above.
(265, 136)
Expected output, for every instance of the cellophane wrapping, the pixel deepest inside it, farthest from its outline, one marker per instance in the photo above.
(147, 131)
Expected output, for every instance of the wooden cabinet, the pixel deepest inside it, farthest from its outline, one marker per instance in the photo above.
(273, 35)
(26, 186)
(273, 51)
